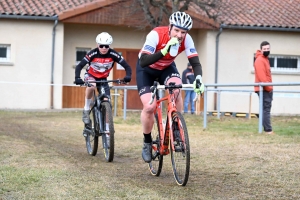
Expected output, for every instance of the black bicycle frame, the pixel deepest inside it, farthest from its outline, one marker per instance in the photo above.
(97, 106)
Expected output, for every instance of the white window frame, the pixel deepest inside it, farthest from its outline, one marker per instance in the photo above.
(8, 52)
(86, 49)
(285, 69)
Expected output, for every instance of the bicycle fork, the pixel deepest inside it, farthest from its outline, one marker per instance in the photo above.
(101, 121)
(175, 133)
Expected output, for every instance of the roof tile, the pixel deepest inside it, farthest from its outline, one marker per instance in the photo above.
(269, 13)
(278, 13)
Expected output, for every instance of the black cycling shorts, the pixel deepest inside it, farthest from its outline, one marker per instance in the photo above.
(90, 77)
(146, 76)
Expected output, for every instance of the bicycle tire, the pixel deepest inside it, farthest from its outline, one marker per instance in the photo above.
(180, 152)
(156, 164)
(92, 137)
(108, 139)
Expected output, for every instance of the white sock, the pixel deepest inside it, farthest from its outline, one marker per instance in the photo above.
(87, 104)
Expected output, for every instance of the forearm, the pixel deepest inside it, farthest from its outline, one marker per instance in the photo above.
(126, 67)
(148, 59)
(194, 61)
(79, 67)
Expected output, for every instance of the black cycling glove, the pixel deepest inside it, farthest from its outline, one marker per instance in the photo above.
(127, 79)
(78, 81)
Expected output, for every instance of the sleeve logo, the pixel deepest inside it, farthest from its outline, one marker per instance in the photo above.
(149, 48)
(193, 50)
(114, 54)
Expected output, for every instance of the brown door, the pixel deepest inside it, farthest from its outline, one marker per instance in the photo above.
(131, 56)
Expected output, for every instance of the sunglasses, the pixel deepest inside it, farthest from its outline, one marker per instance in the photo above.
(103, 45)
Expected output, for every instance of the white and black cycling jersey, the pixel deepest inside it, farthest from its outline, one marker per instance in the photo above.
(100, 65)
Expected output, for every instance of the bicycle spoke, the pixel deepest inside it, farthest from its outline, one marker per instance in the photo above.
(108, 137)
(155, 165)
(180, 153)
(92, 138)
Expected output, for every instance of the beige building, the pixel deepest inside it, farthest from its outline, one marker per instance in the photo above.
(39, 50)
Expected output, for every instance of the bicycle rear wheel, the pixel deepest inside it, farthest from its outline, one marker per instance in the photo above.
(108, 141)
(155, 165)
(180, 152)
(92, 134)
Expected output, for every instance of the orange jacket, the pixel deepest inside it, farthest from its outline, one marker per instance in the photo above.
(262, 71)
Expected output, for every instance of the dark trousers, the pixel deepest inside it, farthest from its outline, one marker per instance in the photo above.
(267, 104)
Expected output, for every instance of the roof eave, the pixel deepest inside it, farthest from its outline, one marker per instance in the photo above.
(30, 17)
(262, 28)
(85, 8)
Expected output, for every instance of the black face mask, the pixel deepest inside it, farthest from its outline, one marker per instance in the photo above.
(266, 53)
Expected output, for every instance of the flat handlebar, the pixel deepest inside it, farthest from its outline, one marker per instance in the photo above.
(88, 83)
(171, 85)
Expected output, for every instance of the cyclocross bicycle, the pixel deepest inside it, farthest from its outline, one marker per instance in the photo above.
(172, 136)
(100, 115)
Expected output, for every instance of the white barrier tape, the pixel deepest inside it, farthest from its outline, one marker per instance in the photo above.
(38, 83)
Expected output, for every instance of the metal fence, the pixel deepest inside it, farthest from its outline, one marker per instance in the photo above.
(243, 85)
(218, 91)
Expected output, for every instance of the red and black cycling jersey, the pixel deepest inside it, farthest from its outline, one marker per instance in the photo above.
(100, 65)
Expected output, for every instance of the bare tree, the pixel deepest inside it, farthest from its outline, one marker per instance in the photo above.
(155, 10)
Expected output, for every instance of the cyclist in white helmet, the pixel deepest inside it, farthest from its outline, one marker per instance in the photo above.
(156, 63)
(100, 62)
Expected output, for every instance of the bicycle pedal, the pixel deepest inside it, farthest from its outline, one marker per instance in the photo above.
(87, 131)
(155, 142)
(84, 133)
(155, 155)
(178, 148)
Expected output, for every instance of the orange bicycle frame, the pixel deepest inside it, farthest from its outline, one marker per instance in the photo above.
(166, 133)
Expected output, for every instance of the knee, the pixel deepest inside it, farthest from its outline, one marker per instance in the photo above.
(179, 97)
(148, 109)
(89, 91)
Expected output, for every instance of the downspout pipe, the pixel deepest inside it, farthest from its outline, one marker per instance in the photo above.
(52, 62)
(44, 18)
(217, 62)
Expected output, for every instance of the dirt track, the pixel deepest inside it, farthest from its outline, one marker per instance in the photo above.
(43, 156)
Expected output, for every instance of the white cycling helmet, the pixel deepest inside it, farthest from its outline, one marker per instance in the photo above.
(181, 20)
(104, 38)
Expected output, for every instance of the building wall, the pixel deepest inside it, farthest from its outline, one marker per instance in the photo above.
(30, 67)
(31, 54)
(236, 53)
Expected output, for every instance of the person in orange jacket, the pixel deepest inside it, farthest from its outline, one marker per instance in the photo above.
(263, 75)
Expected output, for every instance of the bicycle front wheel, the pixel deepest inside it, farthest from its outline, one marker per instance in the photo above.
(92, 134)
(108, 141)
(155, 165)
(180, 149)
